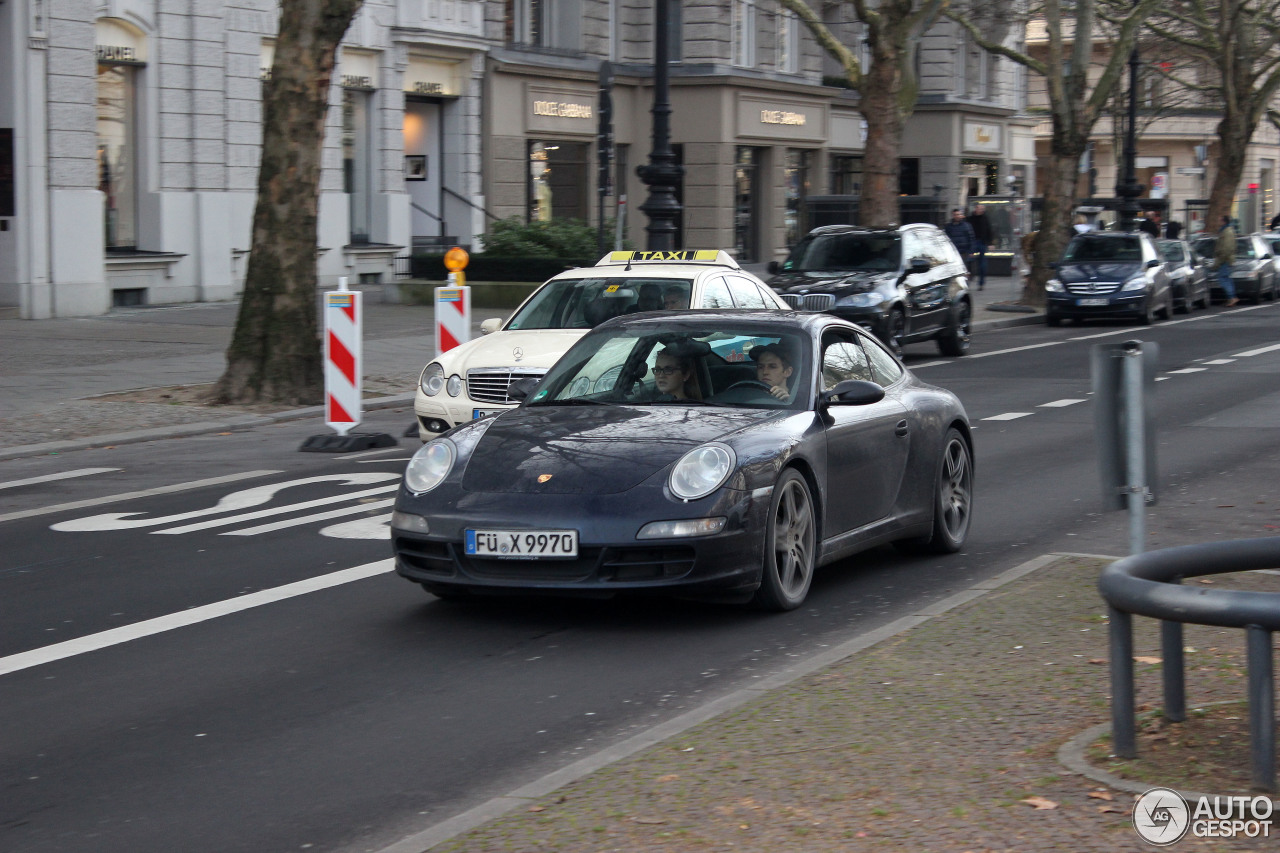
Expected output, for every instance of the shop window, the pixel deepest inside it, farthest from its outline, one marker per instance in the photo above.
(846, 175)
(357, 166)
(118, 152)
(743, 24)
(558, 178)
(796, 181)
(746, 208)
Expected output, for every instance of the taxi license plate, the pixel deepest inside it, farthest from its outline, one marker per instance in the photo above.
(522, 544)
(1088, 302)
(481, 413)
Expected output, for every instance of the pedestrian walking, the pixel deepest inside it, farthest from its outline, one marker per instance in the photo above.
(1173, 229)
(1152, 225)
(982, 233)
(960, 232)
(1224, 254)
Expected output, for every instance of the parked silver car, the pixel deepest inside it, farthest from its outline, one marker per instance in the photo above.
(1188, 275)
(1253, 271)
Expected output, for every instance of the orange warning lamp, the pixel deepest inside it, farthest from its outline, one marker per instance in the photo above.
(456, 259)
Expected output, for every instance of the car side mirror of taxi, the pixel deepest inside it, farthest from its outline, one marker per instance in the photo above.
(493, 324)
(853, 392)
(519, 390)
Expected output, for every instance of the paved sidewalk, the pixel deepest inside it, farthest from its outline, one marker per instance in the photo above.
(59, 374)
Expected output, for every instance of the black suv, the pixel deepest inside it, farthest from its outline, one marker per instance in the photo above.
(903, 284)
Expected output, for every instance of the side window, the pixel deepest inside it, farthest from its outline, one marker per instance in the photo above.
(715, 294)
(745, 294)
(843, 360)
(912, 248)
(944, 250)
(884, 367)
(770, 299)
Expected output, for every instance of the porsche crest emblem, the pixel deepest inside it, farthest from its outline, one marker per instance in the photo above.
(542, 478)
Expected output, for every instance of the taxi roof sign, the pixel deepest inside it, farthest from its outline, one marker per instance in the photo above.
(678, 256)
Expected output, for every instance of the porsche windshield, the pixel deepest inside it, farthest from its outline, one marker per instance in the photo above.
(583, 303)
(682, 364)
(872, 252)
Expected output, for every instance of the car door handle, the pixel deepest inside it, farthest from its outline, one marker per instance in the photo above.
(901, 428)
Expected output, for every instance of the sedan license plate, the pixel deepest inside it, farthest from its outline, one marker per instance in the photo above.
(1092, 302)
(522, 544)
(482, 413)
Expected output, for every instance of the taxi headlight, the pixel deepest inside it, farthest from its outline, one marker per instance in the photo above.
(454, 385)
(701, 471)
(430, 465)
(432, 380)
(1054, 286)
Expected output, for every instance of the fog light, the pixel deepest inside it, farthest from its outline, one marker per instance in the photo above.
(680, 529)
(434, 425)
(409, 521)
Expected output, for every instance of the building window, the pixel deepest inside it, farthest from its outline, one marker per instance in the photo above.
(909, 176)
(357, 167)
(744, 33)
(558, 180)
(796, 181)
(788, 41)
(846, 175)
(543, 23)
(747, 192)
(675, 32)
(118, 152)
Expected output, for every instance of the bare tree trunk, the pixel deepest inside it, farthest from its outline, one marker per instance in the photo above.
(878, 207)
(275, 352)
(1234, 133)
(1055, 218)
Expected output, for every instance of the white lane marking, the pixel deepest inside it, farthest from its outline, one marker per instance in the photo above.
(65, 475)
(348, 458)
(1221, 361)
(307, 519)
(1254, 352)
(1190, 370)
(930, 364)
(376, 527)
(1009, 416)
(145, 493)
(277, 510)
(1058, 404)
(1162, 378)
(242, 499)
(116, 636)
(397, 459)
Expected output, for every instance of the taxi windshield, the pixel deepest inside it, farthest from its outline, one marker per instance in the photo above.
(583, 303)
(746, 365)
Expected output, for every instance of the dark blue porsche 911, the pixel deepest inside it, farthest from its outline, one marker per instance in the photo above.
(722, 455)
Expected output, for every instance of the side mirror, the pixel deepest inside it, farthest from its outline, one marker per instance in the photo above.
(493, 324)
(1152, 264)
(919, 265)
(773, 267)
(520, 390)
(853, 392)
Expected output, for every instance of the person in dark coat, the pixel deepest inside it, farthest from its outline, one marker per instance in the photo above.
(982, 233)
(1151, 224)
(1275, 222)
(1173, 230)
(960, 232)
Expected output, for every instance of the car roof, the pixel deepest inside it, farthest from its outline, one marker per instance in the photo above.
(806, 322)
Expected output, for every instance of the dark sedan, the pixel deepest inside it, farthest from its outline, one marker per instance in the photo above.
(1107, 275)
(1253, 273)
(1188, 275)
(721, 455)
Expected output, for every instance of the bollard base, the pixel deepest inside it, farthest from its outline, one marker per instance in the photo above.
(349, 443)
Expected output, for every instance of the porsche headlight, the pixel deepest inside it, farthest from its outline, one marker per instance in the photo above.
(454, 385)
(1054, 286)
(701, 471)
(430, 465)
(432, 380)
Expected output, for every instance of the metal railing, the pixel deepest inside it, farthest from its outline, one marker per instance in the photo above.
(1150, 585)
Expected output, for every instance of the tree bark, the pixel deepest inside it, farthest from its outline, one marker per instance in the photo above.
(1234, 133)
(1055, 216)
(275, 351)
(878, 207)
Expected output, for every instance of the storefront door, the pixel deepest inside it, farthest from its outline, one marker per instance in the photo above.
(422, 134)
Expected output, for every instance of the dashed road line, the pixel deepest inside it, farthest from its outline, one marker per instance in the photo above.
(1188, 370)
(307, 519)
(1254, 352)
(48, 478)
(279, 510)
(1220, 361)
(1009, 416)
(1059, 404)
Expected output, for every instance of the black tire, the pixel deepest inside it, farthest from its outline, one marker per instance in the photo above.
(895, 329)
(952, 500)
(790, 545)
(954, 340)
(1148, 315)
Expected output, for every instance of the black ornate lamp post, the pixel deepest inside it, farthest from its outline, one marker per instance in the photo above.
(662, 173)
(1129, 189)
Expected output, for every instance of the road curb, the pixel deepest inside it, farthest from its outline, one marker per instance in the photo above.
(498, 806)
(239, 423)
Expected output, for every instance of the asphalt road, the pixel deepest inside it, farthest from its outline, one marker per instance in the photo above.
(229, 666)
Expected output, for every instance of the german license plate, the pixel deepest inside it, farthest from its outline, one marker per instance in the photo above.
(1092, 302)
(522, 544)
(481, 413)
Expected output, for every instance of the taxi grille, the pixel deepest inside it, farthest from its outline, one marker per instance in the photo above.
(809, 301)
(490, 386)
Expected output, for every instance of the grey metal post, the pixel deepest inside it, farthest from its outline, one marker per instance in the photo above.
(1124, 740)
(1175, 695)
(1136, 456)
(1262, 712)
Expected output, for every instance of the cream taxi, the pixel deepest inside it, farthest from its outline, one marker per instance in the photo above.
(471, 380)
